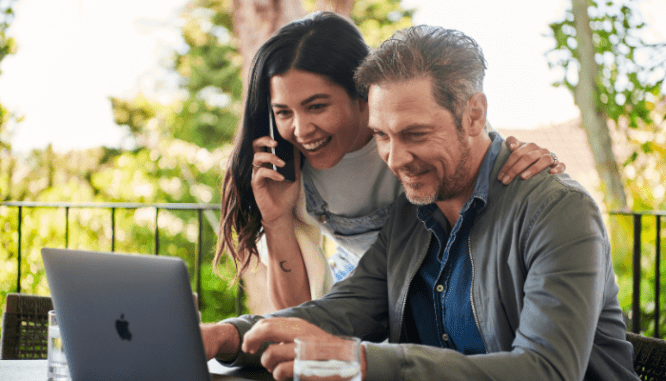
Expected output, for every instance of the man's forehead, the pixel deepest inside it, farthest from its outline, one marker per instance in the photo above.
(405, 102)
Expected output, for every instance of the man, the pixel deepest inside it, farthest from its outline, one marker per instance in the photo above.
(469, 279)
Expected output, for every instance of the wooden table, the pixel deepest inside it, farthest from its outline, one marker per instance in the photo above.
(35, 370)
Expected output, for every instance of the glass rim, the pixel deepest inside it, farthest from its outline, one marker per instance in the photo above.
(316, 339)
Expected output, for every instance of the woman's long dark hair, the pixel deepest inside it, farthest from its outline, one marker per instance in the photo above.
(322, 43)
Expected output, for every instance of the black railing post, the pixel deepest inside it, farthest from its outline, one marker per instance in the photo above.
(657, 278)
(199, 254)
(113, 229)
(66, 227)
(18, 275)
(636, 297)
(157, 232)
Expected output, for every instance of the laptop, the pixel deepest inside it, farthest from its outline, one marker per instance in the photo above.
(126, 316)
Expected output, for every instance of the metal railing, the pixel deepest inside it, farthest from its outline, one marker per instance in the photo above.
(200, 208)
(112, 207)
(636, 266)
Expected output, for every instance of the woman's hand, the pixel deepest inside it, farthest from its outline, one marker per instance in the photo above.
(526, 160)
(275, 196)
(288, 282)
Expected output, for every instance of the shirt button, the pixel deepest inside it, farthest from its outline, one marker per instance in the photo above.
(331, 263)
(445, 337)
(323, 219)
(439, 288)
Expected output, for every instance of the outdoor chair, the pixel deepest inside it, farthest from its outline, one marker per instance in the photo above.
(25, 327)
(649, 357)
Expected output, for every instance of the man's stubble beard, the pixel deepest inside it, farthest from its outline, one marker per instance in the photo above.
(450, 186)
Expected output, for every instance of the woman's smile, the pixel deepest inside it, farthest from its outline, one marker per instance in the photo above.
(316, 145)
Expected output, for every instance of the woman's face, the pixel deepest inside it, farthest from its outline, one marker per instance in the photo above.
(318, 116)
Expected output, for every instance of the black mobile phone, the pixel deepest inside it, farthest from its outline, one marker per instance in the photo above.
(284, 149)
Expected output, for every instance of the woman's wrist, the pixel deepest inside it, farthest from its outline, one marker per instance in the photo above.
(279, 225)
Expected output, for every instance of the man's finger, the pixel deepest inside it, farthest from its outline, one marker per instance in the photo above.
(284, 371)
(276, 354)
(277, 330)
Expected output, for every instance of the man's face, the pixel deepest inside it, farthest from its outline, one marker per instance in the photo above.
(420, 142)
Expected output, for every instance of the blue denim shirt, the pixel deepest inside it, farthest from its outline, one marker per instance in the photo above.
(440, 296)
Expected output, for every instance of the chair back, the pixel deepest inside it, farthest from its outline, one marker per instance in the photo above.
(649, 357)
(25, 327)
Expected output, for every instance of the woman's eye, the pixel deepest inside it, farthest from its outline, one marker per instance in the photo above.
(317, 107)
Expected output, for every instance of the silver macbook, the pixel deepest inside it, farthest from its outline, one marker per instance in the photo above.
(126, 317)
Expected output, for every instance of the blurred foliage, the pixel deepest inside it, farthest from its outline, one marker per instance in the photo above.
(377, 19)
(7, 43)
(7, 47)
(630, 88)
(107, 175)
(631, 78)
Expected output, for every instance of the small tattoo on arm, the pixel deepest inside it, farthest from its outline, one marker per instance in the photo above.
(283, 268)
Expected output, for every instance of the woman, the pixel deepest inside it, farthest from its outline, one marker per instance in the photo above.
(342, 188)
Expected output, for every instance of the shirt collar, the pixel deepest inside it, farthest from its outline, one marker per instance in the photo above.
(481, 186)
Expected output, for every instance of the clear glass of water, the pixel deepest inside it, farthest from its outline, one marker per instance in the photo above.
(57, 363)
(339, 360)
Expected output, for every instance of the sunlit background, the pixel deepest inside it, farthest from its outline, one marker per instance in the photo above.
(73, 54)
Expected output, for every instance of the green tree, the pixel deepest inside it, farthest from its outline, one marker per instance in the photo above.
(618, 83)
(613, 75)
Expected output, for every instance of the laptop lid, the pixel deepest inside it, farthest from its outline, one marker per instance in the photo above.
(125, 316)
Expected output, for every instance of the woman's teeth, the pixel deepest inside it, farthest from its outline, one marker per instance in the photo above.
(313, 146)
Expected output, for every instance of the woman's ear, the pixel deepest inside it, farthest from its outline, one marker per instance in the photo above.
(475, 113)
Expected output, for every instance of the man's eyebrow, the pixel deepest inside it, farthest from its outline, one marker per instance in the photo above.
(306, 101)
(411, 127)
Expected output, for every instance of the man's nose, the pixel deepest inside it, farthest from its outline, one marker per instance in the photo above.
(398, 155)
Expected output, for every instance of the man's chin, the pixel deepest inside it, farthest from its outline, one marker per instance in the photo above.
(419, 198)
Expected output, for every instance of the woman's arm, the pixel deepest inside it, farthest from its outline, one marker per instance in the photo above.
(288, 283)
(526, 160)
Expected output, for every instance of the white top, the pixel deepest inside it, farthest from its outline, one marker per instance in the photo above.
(361, 173)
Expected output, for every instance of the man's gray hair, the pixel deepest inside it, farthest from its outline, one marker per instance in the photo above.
(453, 61)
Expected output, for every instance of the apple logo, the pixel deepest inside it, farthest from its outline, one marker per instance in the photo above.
(122, 326)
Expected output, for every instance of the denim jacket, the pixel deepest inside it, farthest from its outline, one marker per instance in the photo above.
(544, 293)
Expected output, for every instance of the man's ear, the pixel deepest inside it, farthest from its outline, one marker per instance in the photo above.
(475, 113)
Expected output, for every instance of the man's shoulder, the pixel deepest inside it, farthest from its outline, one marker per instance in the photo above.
(539, 188)
(546, 187)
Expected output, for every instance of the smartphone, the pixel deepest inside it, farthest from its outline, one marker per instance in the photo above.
(284, 149)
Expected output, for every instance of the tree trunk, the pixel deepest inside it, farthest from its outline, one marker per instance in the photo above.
(256, 20)
(341, 7)
(594, 118)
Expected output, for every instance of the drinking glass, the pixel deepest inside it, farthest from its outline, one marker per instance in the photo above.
(57, 363)
(339, 360)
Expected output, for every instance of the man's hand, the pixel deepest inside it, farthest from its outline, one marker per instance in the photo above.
(221, 340)
(279, 357)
